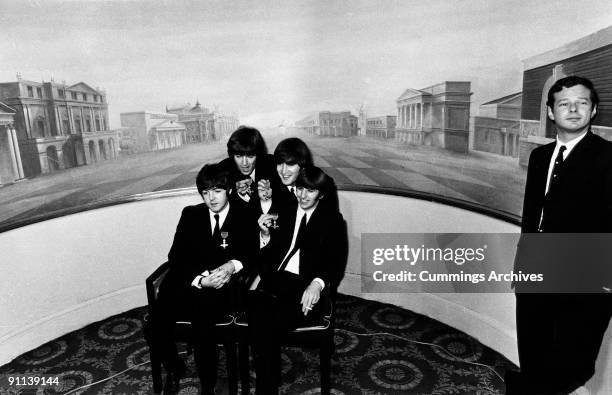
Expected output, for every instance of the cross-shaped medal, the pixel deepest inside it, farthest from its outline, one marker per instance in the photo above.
(224, 244)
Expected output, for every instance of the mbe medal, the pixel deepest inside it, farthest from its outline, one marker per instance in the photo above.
(224, 243)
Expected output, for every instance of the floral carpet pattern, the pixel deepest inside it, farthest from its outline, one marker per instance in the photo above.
(365, 362)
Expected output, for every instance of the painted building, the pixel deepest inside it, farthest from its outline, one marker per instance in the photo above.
(327, 123)
(438, 115)
(497, 127)
(589, 57)
(203, 125)
(11, 169)
(143, 131)
(381, 127)
(59, 126)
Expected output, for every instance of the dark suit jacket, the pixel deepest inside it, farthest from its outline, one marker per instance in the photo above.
(194, 251)
(322, 253)
(265, 169)
(580, 203)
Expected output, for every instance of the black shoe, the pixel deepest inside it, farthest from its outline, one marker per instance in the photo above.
(173, 381)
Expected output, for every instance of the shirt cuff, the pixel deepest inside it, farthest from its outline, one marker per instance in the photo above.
(237, 265)
(320, 282)
(263, 240)
(246, 197)
(196, 281)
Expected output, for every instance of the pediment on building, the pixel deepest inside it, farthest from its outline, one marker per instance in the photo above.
(83, 87)
(412, 93)
(168, 124)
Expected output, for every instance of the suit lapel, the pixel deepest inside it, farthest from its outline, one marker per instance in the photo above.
(581, 151)
(291, 217)
(206, 223)
(542, 170)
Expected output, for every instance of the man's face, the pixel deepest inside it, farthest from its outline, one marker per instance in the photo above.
(572, 110)
(288, 173)
(245, 163)
(215, 199)
(307, 198)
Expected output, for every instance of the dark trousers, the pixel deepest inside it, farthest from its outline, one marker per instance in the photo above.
(203, 308)
(559, 336)
(274, 310)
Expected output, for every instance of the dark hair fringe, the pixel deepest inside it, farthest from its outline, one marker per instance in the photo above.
(246, 141)
(212, 176)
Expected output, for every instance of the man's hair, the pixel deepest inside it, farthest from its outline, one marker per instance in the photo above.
(293, 151)
(246, 141)
(312, 177)
(212, 176)
(568, 82)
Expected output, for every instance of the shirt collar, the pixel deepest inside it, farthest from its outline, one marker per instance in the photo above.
(308, 212)
(569, 146)
(222, 215)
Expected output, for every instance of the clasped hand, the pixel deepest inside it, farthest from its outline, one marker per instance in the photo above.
(264, 191)
(218, 277)
(243, 187)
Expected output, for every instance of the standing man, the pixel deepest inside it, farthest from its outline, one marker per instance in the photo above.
(212, 243)
(568, 193)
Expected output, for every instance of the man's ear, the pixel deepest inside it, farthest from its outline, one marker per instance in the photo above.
(594, 112)
(229, 191)
(321, 196)
(551, 114)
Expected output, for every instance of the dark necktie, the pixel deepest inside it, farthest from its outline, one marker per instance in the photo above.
(298, 242)
(216, 232)
(554, 177)
(545, 218)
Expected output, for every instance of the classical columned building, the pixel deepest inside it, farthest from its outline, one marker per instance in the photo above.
(144, 131)
(328, 123)
(203, 125)
(199, 122)
(309, 124)
(381, 127)
(54, 122)
(11, 168)
(437, 115)
(589, 57)
(497, 126)
(224, 126)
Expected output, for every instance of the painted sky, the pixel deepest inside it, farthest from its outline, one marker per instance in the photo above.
(268, 61)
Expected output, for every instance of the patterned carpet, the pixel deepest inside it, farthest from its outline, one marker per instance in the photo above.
(373, 364)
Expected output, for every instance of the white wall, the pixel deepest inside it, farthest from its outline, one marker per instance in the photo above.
(62, 274)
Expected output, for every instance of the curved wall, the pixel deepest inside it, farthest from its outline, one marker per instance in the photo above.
(64, 273)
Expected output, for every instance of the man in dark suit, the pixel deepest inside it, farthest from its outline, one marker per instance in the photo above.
(290, 155)
(249, 164)
(568, 195)
(301, 260)
(212, 243)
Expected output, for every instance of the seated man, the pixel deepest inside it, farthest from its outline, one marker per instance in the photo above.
(248, 164)
(211, 244)
(300, 260)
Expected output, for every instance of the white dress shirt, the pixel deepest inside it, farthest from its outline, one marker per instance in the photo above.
(222, 216)
(569, 146)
